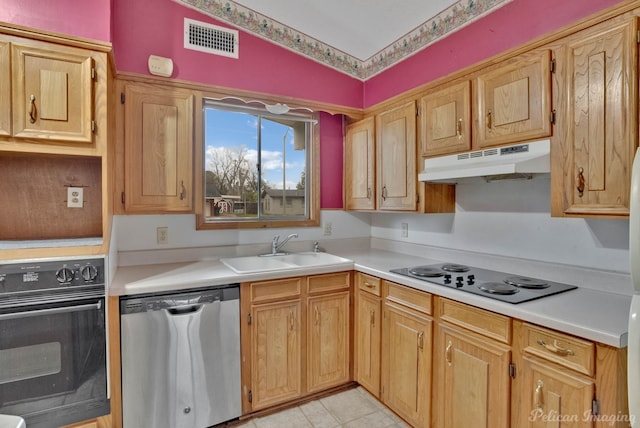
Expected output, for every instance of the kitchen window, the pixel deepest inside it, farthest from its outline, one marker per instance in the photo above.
(258, 166)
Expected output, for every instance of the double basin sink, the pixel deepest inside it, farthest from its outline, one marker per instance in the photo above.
(287, 261)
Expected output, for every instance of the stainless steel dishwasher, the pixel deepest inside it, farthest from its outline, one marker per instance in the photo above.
(181, 358)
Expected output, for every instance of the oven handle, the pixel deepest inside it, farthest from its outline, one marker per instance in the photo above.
(51, 311)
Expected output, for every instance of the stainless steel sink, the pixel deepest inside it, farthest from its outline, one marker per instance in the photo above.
(292, 261)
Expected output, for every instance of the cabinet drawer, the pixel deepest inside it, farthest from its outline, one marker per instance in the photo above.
(329, 282)
(368, 283)
(414, 299)
(278, 289)
(480, 321)
(568, 351)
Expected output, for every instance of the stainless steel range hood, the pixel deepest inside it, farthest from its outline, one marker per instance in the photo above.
(522, 161)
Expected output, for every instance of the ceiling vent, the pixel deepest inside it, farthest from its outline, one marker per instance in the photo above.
(203, 37)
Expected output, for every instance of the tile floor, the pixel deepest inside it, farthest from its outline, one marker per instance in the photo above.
(354, 408)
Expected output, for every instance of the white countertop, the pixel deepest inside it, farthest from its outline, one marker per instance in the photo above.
(584, 312)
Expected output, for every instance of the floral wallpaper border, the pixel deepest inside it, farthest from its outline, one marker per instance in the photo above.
(452, 19)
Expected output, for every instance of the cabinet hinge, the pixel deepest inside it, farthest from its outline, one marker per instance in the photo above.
(93, 73)
(249, 319)
(417, 198)
(122, 97)
(552, 117)
(595, 407)
(250, 396)
(512, 370)
(122, 197)
(93, 126)
(552, 66)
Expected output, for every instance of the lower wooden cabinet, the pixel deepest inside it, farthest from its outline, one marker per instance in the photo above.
(276, 351)
(327, 341)
(473, 384)
(295, 338)
(367, 334)
(406, 353)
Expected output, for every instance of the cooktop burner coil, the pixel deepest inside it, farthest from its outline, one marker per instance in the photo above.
(452, 267)
(524, 282)
(498, 288)
(425, 271)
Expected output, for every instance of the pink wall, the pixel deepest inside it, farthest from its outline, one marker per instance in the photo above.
(331, 161)
(508, 27)
(82, 18)
(143, 28)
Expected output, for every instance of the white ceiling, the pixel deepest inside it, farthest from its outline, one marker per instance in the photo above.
(357, 37)
(360, 28)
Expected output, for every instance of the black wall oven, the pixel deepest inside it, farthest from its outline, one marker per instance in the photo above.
(53, 369)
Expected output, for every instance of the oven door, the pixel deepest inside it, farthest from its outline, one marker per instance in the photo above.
(53, 362)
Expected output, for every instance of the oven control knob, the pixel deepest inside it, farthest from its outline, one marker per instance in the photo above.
(459, 281)
(447, 279)
(471, 279)
(64, 275)
(89, 272)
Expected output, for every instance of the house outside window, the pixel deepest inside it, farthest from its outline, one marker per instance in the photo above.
(258, 167)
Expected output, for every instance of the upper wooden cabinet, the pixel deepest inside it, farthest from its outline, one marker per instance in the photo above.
(52, 93)
(445, 120)
(593, 151)
(359, 160)
(513, 100)
(396, 158)
(158, 140)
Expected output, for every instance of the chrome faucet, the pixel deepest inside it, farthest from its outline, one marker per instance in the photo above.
(275, 245)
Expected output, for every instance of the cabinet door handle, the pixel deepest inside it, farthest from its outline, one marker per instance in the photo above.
(183, 191)
(373, 318)
(291, 320)
(384, 193)
(33, 110)
(556, 348)
(537, 395)
(447, 353)
(459, 128)
(368, 284)
(581, 182)
(368, 192)
(489, 120)
(317, 315)
(421, 340)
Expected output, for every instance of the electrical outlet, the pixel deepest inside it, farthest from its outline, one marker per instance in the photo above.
(74, 197)
(405, 230)
(327, 228)
(162, 235)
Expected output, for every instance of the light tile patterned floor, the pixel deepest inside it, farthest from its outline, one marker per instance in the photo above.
(354, 408)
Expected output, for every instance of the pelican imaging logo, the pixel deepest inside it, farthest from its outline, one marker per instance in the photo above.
(553, 416)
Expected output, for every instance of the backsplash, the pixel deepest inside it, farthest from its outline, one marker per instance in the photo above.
(511, 218)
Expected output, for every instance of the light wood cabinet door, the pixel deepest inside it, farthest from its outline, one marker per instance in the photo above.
(359, 159)
(554, 397)
(158, 149)
(396, 159)
(327, 341)
(406, 364)
(514, 101)
(276, 353)
(5, 89)
(594, 154)
(52, 92)
(367, 341)
(473, 383)
(445, 120)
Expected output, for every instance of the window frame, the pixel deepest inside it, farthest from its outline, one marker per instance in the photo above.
(312, 176)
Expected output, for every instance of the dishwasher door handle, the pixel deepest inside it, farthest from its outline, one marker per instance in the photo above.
(187, 309)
